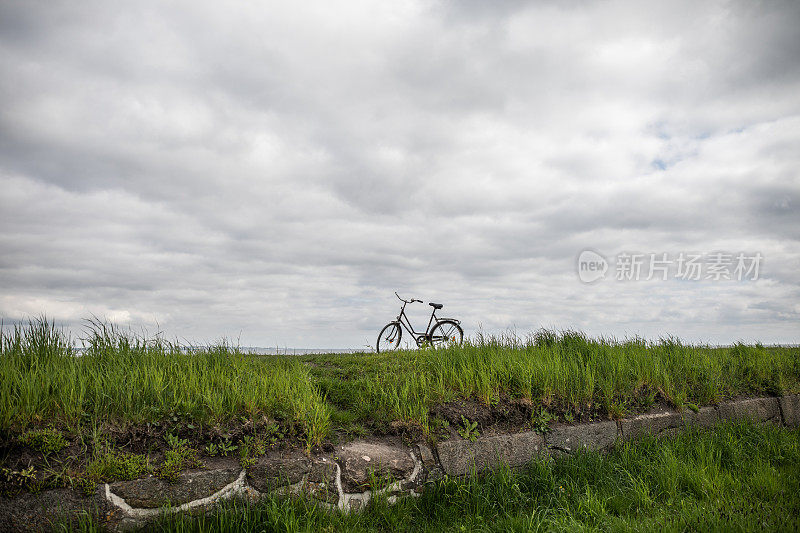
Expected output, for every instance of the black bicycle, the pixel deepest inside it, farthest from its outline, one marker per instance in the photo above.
(440, 331)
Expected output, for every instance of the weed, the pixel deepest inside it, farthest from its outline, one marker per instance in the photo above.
(616, 410)
(212, 449)
(468, 430)
(18, 479)
(250, 448)
(272, 434)
(174, 441)
(46, 441)
(540, 421)
(226, 447)
(175, 460)
(111, 465)
(440, 429)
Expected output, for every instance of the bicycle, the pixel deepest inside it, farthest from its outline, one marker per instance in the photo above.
(444, 331)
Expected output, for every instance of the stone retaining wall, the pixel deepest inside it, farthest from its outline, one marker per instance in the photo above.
(349, 478)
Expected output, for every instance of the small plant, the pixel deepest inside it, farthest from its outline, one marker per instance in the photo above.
(46, 441)
(540, 422)
(569, 417)
(226, 447)
(272, 434)
(223, 449)
(56, 478)
(111, 465)
(468, 430)
(616, 410)
(212, 449)
(173, 441)
(114, 465)
(251, 447)
(440, 429)
(22, 479)
(175, 460)
(85, 485)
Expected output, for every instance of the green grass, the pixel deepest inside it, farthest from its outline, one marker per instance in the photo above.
(736, 478)
(127, 378)
(111, 465)
(566, 372)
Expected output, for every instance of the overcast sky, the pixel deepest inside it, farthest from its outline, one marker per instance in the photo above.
(273, 172)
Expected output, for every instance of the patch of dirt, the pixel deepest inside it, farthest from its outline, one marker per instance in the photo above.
(24, 469)
(520, 414)
(151, 437)
(507, 414)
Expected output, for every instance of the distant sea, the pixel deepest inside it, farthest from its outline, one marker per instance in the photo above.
(260, 350)
(297, 351)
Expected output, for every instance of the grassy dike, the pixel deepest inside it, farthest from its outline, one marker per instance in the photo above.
(129, 405)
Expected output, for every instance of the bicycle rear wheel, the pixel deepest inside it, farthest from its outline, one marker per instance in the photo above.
(445, 333)
(389, 338)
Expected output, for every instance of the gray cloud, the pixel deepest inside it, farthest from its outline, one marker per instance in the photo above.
(276, 172)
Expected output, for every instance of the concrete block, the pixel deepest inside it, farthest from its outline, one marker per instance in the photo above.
(761, 410)
(360, 461)
(705, 417)
(790, 409)
(458, 457)
(278, 470)
(597, 436)
(665, 422)
(152, 492)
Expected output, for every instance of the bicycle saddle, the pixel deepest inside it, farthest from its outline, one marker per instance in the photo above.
(436, 306)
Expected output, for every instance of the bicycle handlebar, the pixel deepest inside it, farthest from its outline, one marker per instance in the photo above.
(411, 301)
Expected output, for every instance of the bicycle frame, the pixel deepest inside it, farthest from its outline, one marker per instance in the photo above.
(416, 335)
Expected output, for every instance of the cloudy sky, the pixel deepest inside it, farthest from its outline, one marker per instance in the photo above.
(273, 172)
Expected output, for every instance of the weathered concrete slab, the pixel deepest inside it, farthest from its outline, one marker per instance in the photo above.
(597, 436)
(42, 511)
(668, 422)
(152, 492)
(458, 456)
(705, 417)
(432, 468)
(790, 409)
(361, 461)
(274, 471)
(656, 424)
(321, 481)
(764, 410)
(426, 455)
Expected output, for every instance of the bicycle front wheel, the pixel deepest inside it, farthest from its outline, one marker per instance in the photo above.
(445, 333)
(389, 338)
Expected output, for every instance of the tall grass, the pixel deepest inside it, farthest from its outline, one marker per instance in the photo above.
(565, 371)
(574, 370)
(129, 377)
(135, 378)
